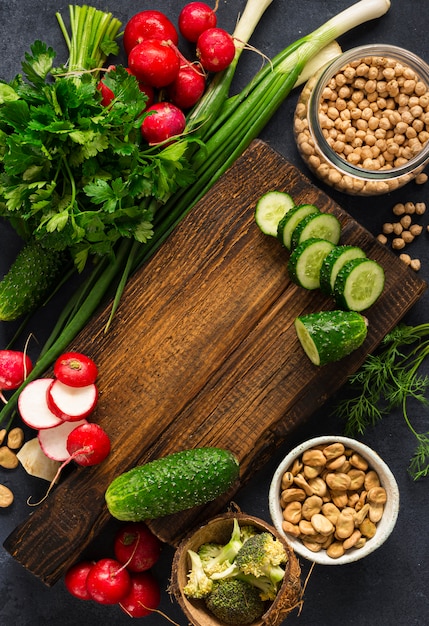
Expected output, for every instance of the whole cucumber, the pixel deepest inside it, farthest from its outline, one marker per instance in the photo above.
(172, 483)
(29, 280)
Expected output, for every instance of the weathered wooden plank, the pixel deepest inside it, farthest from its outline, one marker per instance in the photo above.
(203, 352)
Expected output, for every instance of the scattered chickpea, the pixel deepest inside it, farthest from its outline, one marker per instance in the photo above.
(405, 258)
(405, 221)
(415, 265)
(420, 208)
(398, 209)
(382, 239)
(407, 236)
(421, 179)
(398, 243)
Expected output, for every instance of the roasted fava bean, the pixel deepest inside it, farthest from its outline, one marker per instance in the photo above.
(292, 494)
(322, 525)
(337, 481)
(291, 529)
(287, 480)
(310, 506)
(314, 458)
(335, 550)
(293, 512)
(333, 451)
(6, 496)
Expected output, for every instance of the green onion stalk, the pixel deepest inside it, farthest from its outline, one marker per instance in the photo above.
(242, 116)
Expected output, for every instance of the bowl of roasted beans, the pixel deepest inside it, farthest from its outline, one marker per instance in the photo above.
(334, 499)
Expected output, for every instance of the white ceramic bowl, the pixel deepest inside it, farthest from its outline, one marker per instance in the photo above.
(384, 526)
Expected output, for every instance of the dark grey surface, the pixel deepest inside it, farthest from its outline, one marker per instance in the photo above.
(389, 587)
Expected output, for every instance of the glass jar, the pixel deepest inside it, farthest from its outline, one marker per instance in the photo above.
(362, 123)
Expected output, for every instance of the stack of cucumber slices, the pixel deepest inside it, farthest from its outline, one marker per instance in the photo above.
(318, 261)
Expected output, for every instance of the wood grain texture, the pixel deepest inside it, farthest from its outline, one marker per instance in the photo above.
(203, 352)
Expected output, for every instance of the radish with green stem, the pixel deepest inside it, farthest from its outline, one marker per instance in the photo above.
(150, 24)
(188, 87)
(136, 546)
(14, 369)
(195, 18)
(154, 62)
(108, 582)
(215, 49)
(144, 596)
(164, 121)
(75, 579)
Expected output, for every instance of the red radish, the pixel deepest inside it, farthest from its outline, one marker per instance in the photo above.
(149, 24)
(154, 62)
(107, 94)
(164, 120)
(195, 18)
(144, 596)
(53, 441)
(215, 49)
(14, 368)
(75, 369)
(187, 88)
(33, 405)
(108, 581)
(88, 444)
(71, 404)
(75, 579)
(136, 547)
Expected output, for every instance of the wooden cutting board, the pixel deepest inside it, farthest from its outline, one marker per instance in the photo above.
(203, 352)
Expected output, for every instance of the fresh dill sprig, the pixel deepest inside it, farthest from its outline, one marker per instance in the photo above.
(389, 379)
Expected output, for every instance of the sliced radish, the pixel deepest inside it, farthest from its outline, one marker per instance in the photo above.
(71, 403)
(33, 406)
(53, 441)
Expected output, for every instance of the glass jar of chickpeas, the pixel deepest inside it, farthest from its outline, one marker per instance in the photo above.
(362, 122)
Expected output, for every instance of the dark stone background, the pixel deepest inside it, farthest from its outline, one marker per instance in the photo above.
(388, 588)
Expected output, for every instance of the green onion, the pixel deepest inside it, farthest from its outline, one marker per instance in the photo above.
(92, 39)
(242, 118)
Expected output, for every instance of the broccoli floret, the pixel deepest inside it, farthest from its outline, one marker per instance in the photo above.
(199, 585)
(235, 602)
(207, 552)
(262, 555)
(247, 531)
(267, 589)
(224, 558)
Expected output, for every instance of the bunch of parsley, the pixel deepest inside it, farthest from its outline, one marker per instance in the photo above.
(74, 174)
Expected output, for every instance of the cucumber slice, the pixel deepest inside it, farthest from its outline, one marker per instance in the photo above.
(290, 221)
(329, 336)
(320, 225)
(334, 262)
(305, 262)
(270, 209)
(359, 284)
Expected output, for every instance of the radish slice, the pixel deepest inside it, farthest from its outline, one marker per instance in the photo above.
(33, 406)
(53, 441)
(71, 403)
